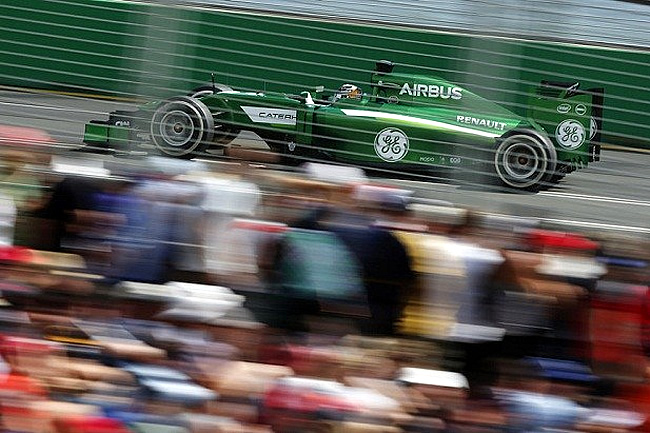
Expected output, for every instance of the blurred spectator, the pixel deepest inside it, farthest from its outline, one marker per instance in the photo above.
(434, 296)
(570, 270)
(188, 253)
(17, 181)
(152, 243)
(434, 300)
(478, 301)
(529, 404)
(383, 262)
(7, 220)
(477, 328)
(309, 268)
(618, 321)
(238, 258)
(70, 199)
(225, 198)
(21, 193)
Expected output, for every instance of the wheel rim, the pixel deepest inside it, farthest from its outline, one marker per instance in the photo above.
(521, 161)
(176, 128)
(181, 126)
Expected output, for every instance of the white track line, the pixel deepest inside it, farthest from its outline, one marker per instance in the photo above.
(617, 200)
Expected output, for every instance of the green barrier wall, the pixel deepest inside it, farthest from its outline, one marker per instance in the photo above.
(124, 49)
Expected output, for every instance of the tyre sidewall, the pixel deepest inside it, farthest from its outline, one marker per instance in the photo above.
(546, 160)
(202, 127)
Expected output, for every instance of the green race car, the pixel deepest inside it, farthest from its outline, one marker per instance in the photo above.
(406, 123)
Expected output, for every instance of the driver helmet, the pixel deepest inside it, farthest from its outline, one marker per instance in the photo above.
(349, 91)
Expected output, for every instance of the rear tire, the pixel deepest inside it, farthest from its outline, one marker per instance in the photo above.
(525, 160)
(182, 127)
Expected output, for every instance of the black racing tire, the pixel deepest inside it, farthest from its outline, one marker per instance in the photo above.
(208, 89)
(182, 127)
(525, 160)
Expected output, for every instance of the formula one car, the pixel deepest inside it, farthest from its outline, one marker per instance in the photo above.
(406, 123)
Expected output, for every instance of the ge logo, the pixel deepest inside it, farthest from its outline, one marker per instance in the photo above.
(391, 144)
(570, 134)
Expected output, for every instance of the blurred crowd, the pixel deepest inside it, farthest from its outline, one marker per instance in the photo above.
(182, 296)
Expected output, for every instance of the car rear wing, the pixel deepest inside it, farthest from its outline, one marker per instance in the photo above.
(572, 117)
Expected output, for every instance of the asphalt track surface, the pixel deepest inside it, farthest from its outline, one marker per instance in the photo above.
(613, 194)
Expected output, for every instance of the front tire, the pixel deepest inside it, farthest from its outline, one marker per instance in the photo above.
(182, 127)
(524, 161)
